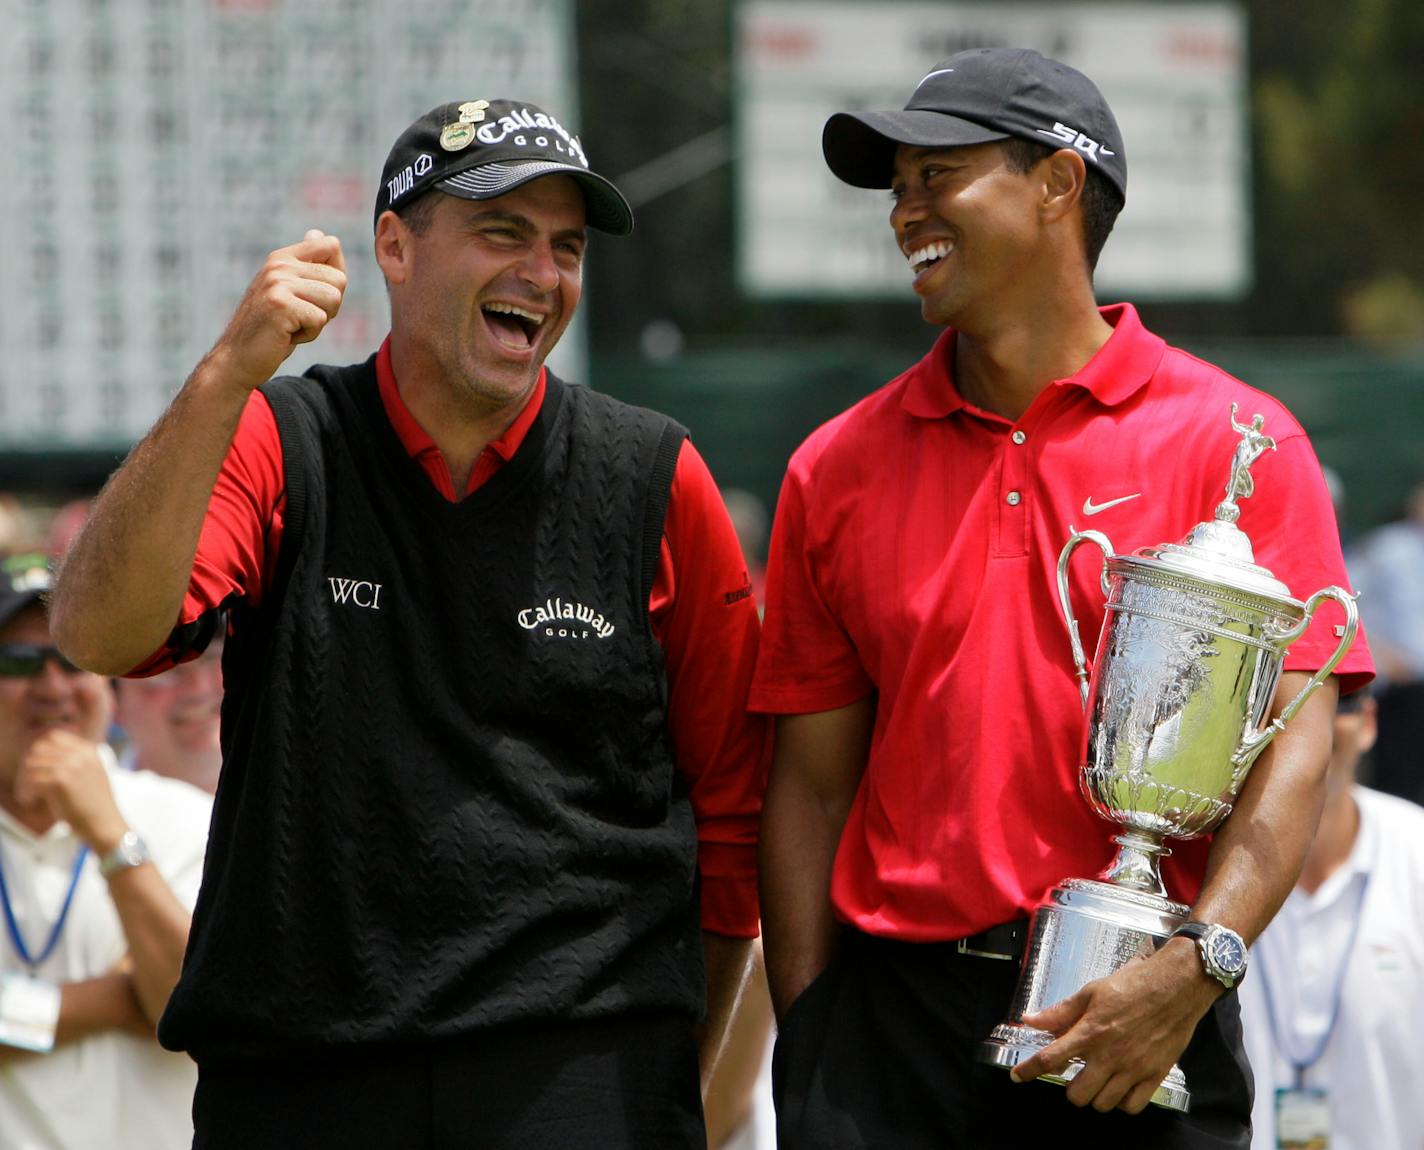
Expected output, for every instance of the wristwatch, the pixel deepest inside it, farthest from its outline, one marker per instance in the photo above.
(131, 851)
(1222, 950)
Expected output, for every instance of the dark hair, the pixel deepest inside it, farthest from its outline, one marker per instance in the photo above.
(1354, 702)
(1101, 200)
(417, 214)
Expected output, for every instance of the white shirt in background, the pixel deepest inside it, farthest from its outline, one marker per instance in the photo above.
(1372, 1066)
(115, 1091)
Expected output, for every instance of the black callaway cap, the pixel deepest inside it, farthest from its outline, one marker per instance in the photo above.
(976, 97)
(480, 149)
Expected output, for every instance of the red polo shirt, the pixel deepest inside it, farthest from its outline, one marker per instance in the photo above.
(701, 608)
(914, 555)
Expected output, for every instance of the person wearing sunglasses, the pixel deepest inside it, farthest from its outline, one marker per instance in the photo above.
(99, 869)
(1332, 1021)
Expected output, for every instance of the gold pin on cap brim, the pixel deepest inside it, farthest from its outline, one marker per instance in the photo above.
(456, 137)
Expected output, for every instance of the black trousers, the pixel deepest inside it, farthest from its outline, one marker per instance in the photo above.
(625, 1084)
(878, 1053)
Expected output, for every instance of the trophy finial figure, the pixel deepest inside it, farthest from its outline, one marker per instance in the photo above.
(1252, 446)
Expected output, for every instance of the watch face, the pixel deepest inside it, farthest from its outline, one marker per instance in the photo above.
(1228, 952)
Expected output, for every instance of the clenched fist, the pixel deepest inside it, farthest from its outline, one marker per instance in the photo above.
(295, 295)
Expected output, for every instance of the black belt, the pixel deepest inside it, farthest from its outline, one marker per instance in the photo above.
(1003, 941)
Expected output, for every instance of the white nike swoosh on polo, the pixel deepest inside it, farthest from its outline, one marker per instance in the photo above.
(1091, 508)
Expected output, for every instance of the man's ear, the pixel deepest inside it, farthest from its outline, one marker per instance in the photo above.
(393, 247)
(1065, 174)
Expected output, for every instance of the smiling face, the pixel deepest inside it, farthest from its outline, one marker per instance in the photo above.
(77, 701)
(173, 720)
(969, 228)
(481, 296)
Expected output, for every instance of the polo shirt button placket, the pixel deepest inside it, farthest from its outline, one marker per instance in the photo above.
(1011, 529)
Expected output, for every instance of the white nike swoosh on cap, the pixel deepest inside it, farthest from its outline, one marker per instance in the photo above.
(1091, 508)
(936, 72)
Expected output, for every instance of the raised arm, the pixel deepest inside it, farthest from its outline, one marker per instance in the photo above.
(815, 770)
(122, 582)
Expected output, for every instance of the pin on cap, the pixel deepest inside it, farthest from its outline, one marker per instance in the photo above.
(480, 149)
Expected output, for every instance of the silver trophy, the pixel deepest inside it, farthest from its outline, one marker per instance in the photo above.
(1186, 668)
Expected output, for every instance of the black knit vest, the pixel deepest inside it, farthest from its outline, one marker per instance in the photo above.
(447, 800)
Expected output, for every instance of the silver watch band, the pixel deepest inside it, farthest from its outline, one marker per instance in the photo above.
(130, 851)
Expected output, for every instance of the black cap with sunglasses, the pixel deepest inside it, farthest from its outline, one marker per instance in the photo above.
(24, 579)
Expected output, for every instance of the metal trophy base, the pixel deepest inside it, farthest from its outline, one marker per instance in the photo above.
(1083, 930)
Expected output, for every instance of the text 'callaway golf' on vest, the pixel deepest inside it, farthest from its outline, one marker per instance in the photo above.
(429, 808)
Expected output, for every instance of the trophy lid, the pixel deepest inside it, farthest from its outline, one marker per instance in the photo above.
(1217, 551)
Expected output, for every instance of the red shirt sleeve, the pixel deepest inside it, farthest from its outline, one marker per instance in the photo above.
(704, 615)
(808, 663)
(241, 533)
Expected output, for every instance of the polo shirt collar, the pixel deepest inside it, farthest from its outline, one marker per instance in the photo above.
(416, 440)
(1362, 861)
(1121, 367)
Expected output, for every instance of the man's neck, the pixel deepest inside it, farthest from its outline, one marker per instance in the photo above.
(1003, 368)
(1333, 842)
(460, 426)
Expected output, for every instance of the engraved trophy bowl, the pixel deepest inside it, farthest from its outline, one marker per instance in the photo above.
(1188, 659)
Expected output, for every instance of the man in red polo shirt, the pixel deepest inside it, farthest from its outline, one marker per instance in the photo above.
(923, 794)
(487, 765)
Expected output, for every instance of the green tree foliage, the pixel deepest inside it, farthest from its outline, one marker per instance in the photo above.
(1338, 123)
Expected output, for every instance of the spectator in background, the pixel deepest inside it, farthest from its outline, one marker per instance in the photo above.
(98, 872)
(172, 721)
(1335, 1005)
(1388, 569)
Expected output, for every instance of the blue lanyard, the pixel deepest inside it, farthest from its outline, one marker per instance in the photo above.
(1337, 994)
(14, 927)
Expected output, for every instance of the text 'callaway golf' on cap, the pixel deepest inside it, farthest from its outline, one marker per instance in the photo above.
(975, 97)
(480, 149)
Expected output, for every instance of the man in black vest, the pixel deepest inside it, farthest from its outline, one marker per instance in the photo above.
(485, 751)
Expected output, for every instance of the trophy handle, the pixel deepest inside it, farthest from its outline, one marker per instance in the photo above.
(1080, 661)
(1254, 742)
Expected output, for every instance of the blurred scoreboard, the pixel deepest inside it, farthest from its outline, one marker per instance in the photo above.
(156, 150)
(1175, 74)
